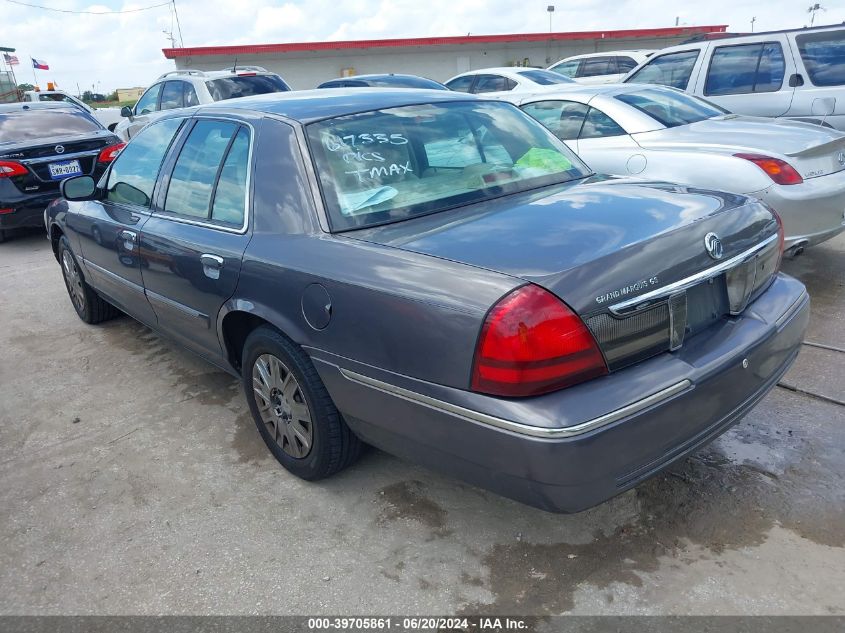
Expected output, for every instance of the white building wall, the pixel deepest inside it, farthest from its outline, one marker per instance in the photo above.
(303, 70)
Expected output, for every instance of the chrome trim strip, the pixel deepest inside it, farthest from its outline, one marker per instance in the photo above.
(179, 307)
(112, 276)
(791, 310)
(61, 157)
(683, 284)
(517, 427)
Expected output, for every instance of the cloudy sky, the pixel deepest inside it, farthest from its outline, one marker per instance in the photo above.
(110, 50)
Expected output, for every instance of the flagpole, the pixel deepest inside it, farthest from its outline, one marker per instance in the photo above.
(34, 78)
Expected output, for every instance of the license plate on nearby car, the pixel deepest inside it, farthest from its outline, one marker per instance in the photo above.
(64, 169)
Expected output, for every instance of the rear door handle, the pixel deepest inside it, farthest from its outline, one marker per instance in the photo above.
(129, 239)
(211, 265)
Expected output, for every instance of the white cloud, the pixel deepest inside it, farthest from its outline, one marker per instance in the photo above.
(110, 51)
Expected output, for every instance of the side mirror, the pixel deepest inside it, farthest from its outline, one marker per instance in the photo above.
(78, 188)
(124, 192)
(126, 111)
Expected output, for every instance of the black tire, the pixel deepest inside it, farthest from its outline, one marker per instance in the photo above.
(90, 306)
(333, 445)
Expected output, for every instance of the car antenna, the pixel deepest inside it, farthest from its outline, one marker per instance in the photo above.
(235, 67)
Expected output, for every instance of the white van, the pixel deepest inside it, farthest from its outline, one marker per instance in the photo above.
(600, 68)
(798, 74)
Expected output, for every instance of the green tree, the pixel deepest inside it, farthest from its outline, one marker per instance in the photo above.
(26, 87)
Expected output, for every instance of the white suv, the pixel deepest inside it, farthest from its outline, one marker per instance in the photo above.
(600, 68)
(186, 88)
(799, 74)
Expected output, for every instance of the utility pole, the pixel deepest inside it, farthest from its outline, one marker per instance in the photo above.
(753, 20)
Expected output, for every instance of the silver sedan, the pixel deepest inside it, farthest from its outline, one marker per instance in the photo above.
(660, 133)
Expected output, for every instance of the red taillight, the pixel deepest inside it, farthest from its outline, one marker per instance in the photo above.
(247, 74)
(108, 154)
(4, 211)
(780, 171)
(10, 168)
(532, 343)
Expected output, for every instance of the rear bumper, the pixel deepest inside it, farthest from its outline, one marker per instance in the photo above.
(573, 449)
(27, 212)
(813, 211)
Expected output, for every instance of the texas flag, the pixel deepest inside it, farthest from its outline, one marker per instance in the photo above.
(39, 64)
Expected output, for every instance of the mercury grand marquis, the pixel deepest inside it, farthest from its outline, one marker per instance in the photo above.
(441, 277)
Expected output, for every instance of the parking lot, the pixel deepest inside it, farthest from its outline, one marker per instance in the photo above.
(135, 482)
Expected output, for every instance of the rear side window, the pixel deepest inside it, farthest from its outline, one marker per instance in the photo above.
(189, 95)
(544, 77)
(133, 174)
(37, 124)
(245, 86)
(493, 83)
(214, 155)
(596, 66)
(671, 108)
(461, 84)
(625, 64)
(672, 69)
(824, 57)
(567, 69)
(229, 204)
(599, 125)
(563, 118)
(171, 95)
(149, 101)
(745, 68)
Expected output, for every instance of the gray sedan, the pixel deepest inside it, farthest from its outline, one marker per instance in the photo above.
(661, 133)
(439, 276)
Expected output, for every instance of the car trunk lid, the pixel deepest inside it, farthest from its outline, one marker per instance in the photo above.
(811, 149)
(614, 250)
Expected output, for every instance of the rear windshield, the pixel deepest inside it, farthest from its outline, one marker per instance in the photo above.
(545, 77)
(824, 57)
(27, 125)
(670, 108)
(394, 164)
(245, 86)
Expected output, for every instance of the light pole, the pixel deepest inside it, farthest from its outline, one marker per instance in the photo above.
(551, 10)
(753, 20)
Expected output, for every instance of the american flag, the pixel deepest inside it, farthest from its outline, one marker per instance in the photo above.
(12, 60)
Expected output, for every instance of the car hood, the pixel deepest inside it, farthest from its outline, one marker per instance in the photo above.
(743, 133)
(589, 240)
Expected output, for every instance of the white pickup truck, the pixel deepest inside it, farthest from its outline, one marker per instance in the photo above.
(108, 117)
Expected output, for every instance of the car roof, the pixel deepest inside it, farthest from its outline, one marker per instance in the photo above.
(307, 106)
(638, 51)
(38, 105)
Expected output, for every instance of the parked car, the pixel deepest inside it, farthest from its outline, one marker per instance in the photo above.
(108, 117)
(40, 145)
(186, 88)
(503, 80)
(388, 80)
(439, 276)
(661, 133)
(799, 74)
(600, 68)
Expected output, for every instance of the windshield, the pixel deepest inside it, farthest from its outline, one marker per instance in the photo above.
(394, 164)
(545, 77)
(245, 86)
(34, 124)
(670, 108)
